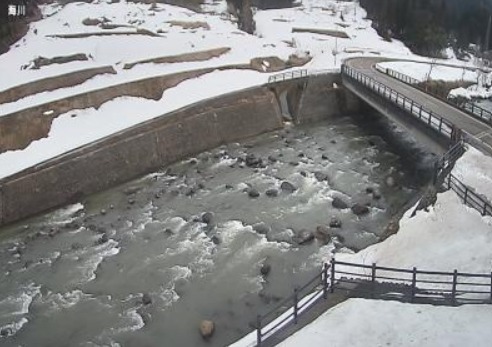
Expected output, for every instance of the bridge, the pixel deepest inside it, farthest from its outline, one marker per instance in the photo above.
(425, 116)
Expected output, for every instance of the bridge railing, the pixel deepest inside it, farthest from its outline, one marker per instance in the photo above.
(362, 280)
(469, 107)
(289, 75)
(423, 114)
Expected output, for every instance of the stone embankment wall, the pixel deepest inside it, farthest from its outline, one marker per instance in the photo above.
(164, 140)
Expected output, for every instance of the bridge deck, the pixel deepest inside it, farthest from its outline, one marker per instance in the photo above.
(461, 119)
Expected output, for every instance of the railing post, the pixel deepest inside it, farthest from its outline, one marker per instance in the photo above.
(325, 281)
(373, 273)
(440, 125)
(258, 330)
(449, 181)
(453, 290)
(414, 284)
(296, 301)
(332, 287)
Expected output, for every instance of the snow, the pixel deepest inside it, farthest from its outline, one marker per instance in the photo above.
(78, 127)
(448, 236)
(359, 322)
(420, 71)
(475, 170)
(419, 242)
(423, 71)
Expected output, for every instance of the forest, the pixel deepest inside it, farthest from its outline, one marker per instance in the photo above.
(429, 26)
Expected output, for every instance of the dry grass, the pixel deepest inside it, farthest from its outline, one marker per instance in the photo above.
(189, 25)
(329, 32)
(181, 58)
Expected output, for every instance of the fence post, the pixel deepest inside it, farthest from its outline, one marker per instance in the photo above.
(414, 284)
(325, 281)
(449, 181)
(258, 330)
(453, 290)
(373, 273)
(296, 301)
(440, 125)
(332, 287)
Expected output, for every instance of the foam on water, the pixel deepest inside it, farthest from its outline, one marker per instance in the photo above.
(90, 258)
(59, 301)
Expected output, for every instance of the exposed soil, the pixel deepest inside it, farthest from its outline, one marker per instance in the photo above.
(182, 58)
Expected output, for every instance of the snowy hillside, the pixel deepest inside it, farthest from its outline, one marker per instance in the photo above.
(173, 31)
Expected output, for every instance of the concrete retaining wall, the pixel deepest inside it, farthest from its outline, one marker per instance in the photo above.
(137, 151)
(324, 96)
(151, 145)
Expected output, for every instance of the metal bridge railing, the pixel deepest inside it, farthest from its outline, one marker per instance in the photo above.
(285, 76)
(423, 114)
(466, 106)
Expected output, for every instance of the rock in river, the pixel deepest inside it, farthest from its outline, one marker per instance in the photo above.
(207, 328)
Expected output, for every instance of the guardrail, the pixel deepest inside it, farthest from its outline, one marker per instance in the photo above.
(449, 288)
(469, 107)
(291, 316)
(423, 114)
(444, 164)
(285, 76)
(361, 280)
(469, 196)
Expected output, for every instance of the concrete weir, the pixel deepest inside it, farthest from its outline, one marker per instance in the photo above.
(169, 138)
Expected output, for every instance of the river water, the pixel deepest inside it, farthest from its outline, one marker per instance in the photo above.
(137, 265)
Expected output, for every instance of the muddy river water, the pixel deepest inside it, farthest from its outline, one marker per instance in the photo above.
(141, 265)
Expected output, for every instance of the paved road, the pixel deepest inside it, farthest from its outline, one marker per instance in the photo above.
(461, 119)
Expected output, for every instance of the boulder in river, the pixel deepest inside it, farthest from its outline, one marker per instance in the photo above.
(288, 187)
(207, 328)
(208, 218)
(272, 192)
(339, 203)
(146, 299)
(265, 269)
(304, 237)
(253, 193)
(320, 176)
(335, 222)
(359, 209)
(261, 228)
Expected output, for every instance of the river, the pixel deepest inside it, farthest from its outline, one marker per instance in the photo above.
(138, 266)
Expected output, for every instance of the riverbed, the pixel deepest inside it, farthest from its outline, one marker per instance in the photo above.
(221, 236)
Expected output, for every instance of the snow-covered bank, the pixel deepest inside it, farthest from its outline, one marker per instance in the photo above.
(433, 71)
(475, 170)
(359, 322)
(79, 127)
(425, 71)
(449, 236)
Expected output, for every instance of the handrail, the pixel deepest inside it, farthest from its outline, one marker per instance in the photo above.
(285, 76)
(432, 120)
(468, 107)
(469, 196)
(451, 290)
